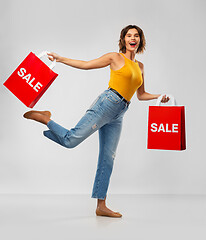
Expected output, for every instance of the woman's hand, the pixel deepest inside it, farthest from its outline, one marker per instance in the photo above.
(52, 56)
(165, 99)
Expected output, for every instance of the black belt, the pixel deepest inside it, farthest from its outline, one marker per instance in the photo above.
(123, 99)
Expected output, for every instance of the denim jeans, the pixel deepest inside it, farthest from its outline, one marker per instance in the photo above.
(105, 115)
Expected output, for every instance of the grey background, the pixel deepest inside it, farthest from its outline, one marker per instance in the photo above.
(174, 63)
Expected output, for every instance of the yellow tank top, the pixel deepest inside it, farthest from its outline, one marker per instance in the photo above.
(127, 79)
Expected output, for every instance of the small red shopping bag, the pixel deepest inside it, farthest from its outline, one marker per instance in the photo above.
(31, 79)
(166, 127)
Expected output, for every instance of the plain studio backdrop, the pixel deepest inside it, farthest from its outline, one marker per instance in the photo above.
(174, 63)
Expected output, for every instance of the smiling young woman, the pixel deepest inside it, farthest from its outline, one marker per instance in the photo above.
(107, 111)
(126, 35)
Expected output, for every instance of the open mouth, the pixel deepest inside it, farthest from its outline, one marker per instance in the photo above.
(133, 44)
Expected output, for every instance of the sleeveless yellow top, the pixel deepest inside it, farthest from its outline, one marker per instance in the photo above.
(127, 79)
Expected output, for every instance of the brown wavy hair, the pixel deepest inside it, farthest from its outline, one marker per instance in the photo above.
(122, 47)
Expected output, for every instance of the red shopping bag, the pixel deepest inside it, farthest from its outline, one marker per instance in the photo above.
(166, 127)
(31, 79)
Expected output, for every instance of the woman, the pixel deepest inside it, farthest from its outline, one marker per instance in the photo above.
(106, 113)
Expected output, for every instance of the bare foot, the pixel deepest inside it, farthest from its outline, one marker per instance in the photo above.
(104, 211)
(39, 116)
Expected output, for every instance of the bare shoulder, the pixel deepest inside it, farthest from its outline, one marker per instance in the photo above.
(117, 61)
(115, 55)
(141, 65)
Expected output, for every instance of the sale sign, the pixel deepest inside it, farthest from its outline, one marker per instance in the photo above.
(31, 79)
(166, 128)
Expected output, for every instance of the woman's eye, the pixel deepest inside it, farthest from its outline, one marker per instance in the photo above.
(130, 35)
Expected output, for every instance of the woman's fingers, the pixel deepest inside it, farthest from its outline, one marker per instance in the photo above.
(165, 99)
(52, 56)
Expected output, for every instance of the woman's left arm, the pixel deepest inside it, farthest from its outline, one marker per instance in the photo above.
(142, 95)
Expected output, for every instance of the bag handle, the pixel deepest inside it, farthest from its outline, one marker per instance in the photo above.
(172, 99)
(44, 53)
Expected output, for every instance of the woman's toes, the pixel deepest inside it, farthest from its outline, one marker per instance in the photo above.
(27, 114)
(118, 214)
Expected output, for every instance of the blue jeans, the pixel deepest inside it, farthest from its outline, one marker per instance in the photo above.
(106, 115)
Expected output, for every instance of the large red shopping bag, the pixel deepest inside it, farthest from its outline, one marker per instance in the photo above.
(166, 127)
(31, 79)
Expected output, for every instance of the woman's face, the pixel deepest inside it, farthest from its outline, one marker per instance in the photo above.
(132, 40)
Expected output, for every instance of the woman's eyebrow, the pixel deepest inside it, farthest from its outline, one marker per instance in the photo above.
(131, 34)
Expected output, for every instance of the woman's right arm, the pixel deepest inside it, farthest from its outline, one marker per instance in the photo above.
(100, 62)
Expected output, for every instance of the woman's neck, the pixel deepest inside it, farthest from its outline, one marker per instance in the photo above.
(130, 55)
